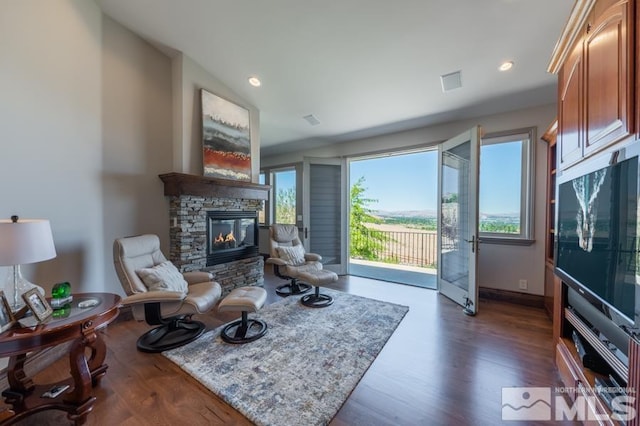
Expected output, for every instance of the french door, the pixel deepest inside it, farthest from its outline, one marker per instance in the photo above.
(458, 160)
(324, 211)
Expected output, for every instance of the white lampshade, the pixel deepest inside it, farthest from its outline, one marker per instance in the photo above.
(25, 241)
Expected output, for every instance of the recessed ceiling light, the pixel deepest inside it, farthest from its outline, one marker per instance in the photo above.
(506, 66)
(255, 81)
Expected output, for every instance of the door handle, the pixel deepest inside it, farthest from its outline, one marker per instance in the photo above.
(306, 233)
(474, 243)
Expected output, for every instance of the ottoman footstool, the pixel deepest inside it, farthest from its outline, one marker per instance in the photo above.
(245, 300)
(318, 278)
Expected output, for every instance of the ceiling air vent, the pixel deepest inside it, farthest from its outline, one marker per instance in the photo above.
(451, 81)
(312, 119)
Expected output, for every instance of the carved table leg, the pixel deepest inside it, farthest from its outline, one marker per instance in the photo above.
(19, 384)
(81, 394)
(96, 361)
(16, 376)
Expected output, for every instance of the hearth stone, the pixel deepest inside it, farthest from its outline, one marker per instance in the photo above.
(239, 273)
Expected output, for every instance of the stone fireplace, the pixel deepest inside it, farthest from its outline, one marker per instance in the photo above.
(200, 209)
(231, 235)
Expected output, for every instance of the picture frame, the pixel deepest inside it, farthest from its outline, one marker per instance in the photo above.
(226, 138)
(6, 316)
(38, 304)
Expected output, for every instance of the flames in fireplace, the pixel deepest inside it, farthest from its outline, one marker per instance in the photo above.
(225, 241)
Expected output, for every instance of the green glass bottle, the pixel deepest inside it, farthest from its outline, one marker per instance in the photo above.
(61, 294)
(61, 290)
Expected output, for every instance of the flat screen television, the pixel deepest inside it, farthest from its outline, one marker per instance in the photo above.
(597, 236)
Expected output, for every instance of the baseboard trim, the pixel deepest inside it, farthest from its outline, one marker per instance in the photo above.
(526, 299)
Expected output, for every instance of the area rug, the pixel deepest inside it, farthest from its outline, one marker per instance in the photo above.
(304, 368)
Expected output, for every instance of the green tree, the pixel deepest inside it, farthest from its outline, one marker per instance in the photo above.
(286, 206)
(450, 198)
(500, 227)
(365, 243)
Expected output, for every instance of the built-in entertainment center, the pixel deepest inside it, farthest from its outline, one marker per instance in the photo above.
(598, 278)
(593, 238)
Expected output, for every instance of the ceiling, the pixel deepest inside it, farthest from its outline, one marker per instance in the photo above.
(361, 67)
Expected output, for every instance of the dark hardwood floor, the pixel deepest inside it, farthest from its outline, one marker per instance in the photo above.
(440, 367)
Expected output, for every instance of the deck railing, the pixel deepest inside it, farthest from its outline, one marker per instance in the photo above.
(404, 248)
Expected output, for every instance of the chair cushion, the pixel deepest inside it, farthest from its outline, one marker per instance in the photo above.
(294, 271)
(163, 277)
(284, 233)
(293, 255)
(247, 299)
(318, 278)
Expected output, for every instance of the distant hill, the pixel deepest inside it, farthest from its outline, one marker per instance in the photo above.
(434, 213)
(406, 213)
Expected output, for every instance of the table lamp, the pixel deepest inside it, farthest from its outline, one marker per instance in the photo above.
(23, 241)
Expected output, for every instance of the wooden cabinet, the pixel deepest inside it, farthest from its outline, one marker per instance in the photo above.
(580, 381)
(637, 71)
(550, 136)
(597, 59)
(596, 82)
(608, 75)
(570, 108)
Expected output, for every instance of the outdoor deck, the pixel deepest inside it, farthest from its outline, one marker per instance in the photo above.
(405, 257)
(402, 274)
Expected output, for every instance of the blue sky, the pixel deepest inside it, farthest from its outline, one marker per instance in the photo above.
(409, 182)
(500, 178)
(401, 182)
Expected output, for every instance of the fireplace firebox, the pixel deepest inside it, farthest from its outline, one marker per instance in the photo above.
(231, 235)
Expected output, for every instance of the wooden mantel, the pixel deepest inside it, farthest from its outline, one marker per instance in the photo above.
(177, 184)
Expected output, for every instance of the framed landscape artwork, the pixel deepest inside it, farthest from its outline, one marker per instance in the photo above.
(226, 138)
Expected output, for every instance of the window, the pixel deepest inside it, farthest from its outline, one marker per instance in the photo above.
(506, 186)
(262, 215)
(284, 189)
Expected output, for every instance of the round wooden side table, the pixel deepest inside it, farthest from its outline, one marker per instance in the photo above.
(88, 313)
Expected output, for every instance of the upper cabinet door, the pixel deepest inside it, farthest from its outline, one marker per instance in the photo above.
(608, 75)
(636, 61)
(570, 108)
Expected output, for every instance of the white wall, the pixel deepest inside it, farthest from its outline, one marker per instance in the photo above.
(501, 266)
(189, 78)
(85, 129)
(50, 132)
(136, 140)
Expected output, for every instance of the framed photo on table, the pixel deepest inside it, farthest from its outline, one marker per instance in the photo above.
(6, 316)
(38, 304)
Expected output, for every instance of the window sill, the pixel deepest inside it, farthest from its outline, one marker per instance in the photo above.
(506, 241)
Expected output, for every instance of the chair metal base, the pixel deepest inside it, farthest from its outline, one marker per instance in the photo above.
(317, 300)
(292, 289)
(176, 332)
(244, 330)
